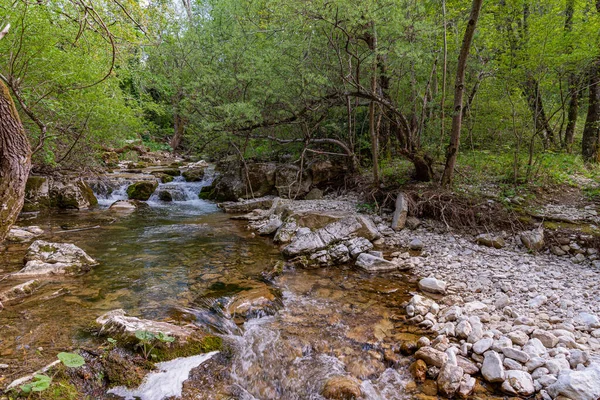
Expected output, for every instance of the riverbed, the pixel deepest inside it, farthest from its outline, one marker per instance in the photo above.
(169, 261)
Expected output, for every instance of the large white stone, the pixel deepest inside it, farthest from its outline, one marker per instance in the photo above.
(432, 285)
(580, 385)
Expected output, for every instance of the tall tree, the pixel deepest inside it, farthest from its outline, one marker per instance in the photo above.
(459, 89)
(15, 159)
(591, 131)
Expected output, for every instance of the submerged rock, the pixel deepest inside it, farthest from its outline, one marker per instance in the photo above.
(341, 388)
(124, 206)
(26, 234)
(55, 258)
(259, 301)
(19, 291)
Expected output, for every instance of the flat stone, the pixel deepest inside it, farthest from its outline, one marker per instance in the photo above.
(20, 291)
(432, 285)
(515, 354)
(370, 263)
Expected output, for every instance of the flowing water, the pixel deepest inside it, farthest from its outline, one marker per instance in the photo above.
(173, 261)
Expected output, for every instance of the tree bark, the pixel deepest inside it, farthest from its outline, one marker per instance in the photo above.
(372, 130)
(532, 91)
(459, 89)
(178, 129)
(572, 112)
(591, 130)
(15, 162)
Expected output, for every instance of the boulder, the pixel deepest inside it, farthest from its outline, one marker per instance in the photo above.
(331, 234)
(141, 190)
(37, 193)
(195, 174)
(371, 263)
(400, 213)
(416, 244)
(66, 194)
(325, 173)
(432, 285)
(580, 385)
(55, 258)
(165, 195)
(533, 240)
(489, 240)
(341, 388)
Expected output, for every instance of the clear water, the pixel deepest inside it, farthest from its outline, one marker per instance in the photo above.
(164, 263)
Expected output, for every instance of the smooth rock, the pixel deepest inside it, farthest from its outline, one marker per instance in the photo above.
(374, 264)
(432, 285)
(492, 369)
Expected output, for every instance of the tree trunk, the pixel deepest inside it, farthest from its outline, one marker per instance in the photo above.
(15, 162)
(534, 99)
(372, 127)
(178, 129)
(591, 130)
(572, 112)
(459, 89)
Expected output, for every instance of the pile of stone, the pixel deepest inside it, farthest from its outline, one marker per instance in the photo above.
(521, 358)
(318, 236)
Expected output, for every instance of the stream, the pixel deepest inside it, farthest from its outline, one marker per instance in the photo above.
(170, 261)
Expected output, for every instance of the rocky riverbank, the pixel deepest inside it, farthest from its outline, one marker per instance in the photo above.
(506, 309)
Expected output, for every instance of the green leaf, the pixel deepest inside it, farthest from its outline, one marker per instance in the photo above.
(111, 340)
(144, 335)
(71, 360)
(39, 384)
(163, 337)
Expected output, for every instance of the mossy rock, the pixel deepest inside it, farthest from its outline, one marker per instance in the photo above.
(193, 175)
(141, 190)
(165, 195)
(167, 171)
(164, 178)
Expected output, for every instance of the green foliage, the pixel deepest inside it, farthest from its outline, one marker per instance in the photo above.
(71, 360)
(148, 341)
(38, 384)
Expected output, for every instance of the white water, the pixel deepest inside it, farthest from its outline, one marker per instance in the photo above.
(184, 193)
(167, 382)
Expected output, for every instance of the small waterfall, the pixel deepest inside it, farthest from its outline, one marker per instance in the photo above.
(107, 191)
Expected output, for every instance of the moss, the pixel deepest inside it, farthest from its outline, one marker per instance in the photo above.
(141, 190)
(121, 371)
(551, 225)
(193, 347)
(48, 248)
(88, 193)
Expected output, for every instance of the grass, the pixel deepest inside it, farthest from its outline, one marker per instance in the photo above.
(549, 168)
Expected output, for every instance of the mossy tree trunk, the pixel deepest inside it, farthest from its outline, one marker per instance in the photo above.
(15, 162)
